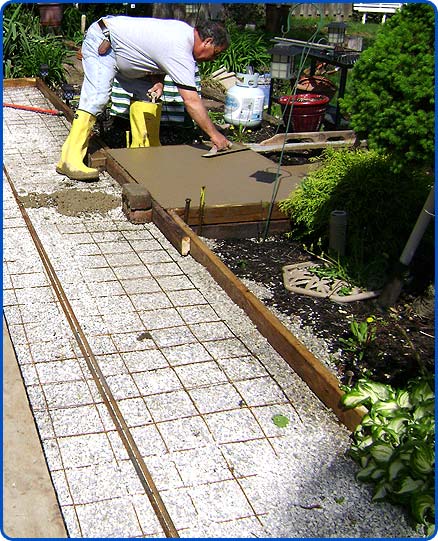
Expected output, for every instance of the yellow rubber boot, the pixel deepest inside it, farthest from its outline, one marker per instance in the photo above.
(75, 147)
(145, 119)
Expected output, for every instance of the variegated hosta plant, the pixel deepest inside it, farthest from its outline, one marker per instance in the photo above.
(394, 444)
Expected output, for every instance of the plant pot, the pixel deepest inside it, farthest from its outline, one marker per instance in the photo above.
(307, 111)
(51, 14)
(316, 84)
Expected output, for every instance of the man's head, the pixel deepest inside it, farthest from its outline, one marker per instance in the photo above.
(211, 39)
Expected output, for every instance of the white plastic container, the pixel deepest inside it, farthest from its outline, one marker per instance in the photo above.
(244, 102)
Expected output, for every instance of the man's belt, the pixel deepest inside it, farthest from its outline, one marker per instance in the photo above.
(104, 28)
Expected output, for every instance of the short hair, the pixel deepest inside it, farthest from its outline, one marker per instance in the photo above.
(215, 30)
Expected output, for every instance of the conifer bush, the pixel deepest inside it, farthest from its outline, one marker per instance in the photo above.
(390, 98)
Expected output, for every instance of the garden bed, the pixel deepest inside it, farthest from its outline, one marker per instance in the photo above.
(404, 339)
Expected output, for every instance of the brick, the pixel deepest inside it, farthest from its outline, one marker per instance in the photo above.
(97, 160)
(136, 197)
(138, 216)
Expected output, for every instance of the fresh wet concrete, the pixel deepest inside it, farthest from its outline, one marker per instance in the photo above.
(175, 173)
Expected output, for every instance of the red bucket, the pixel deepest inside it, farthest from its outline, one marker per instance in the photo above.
(308, 111)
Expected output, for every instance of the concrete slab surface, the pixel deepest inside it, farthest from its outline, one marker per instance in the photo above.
(174, 173)
(196, 384)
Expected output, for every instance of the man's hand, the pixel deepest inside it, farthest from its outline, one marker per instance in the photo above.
(198, 112)
(158, 89)
(220, 141)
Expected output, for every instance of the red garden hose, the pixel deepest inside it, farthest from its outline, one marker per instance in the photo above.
(34, 109)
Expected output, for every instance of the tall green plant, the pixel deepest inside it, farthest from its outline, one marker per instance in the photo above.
(25, 48)
(247, 48)
(390, 96)
(71, 24)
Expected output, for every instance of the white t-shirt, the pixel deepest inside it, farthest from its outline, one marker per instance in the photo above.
(143, 45)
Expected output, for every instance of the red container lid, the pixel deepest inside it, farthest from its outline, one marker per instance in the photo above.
(304, 99)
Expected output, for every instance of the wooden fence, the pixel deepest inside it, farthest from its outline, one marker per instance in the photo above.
(340, 11)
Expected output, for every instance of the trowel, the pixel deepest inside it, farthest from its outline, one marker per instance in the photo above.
(234, 147)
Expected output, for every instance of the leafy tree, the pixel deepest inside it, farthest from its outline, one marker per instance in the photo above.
(391, 96)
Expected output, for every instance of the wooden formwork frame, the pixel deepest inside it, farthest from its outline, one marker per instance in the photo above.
(319, 379)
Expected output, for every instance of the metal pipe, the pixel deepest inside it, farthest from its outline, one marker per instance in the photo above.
(419, 229)
(187, 210)
(393, 289)
(337, 232)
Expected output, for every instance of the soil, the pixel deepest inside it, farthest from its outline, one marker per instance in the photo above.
(404, 341)
(403, 345)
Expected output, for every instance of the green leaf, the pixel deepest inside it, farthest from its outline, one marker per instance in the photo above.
(364, 443)
(376, 391)
(364, 460)
(380, 492)
(423, 459)
(377, 474)
(402, 398)
(365, 473)
(381, 452)
(386, 408)
(367, 420)
(280, 420)
(423, 410)
(354, 398)
(395, 467)
(379, 433)
(408, 485)
(421, 392)
(421, 504)
(397, 423)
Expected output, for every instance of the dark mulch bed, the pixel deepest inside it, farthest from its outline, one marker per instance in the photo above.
(404, 341)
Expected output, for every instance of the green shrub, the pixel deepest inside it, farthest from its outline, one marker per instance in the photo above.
(390, 95)
(382, 206)
(394, 444)
(247, 48)
(25, 48)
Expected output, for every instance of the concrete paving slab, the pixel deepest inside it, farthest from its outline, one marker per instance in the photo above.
(30, 506)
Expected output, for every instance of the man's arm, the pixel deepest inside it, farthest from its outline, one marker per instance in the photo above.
(198, 113)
